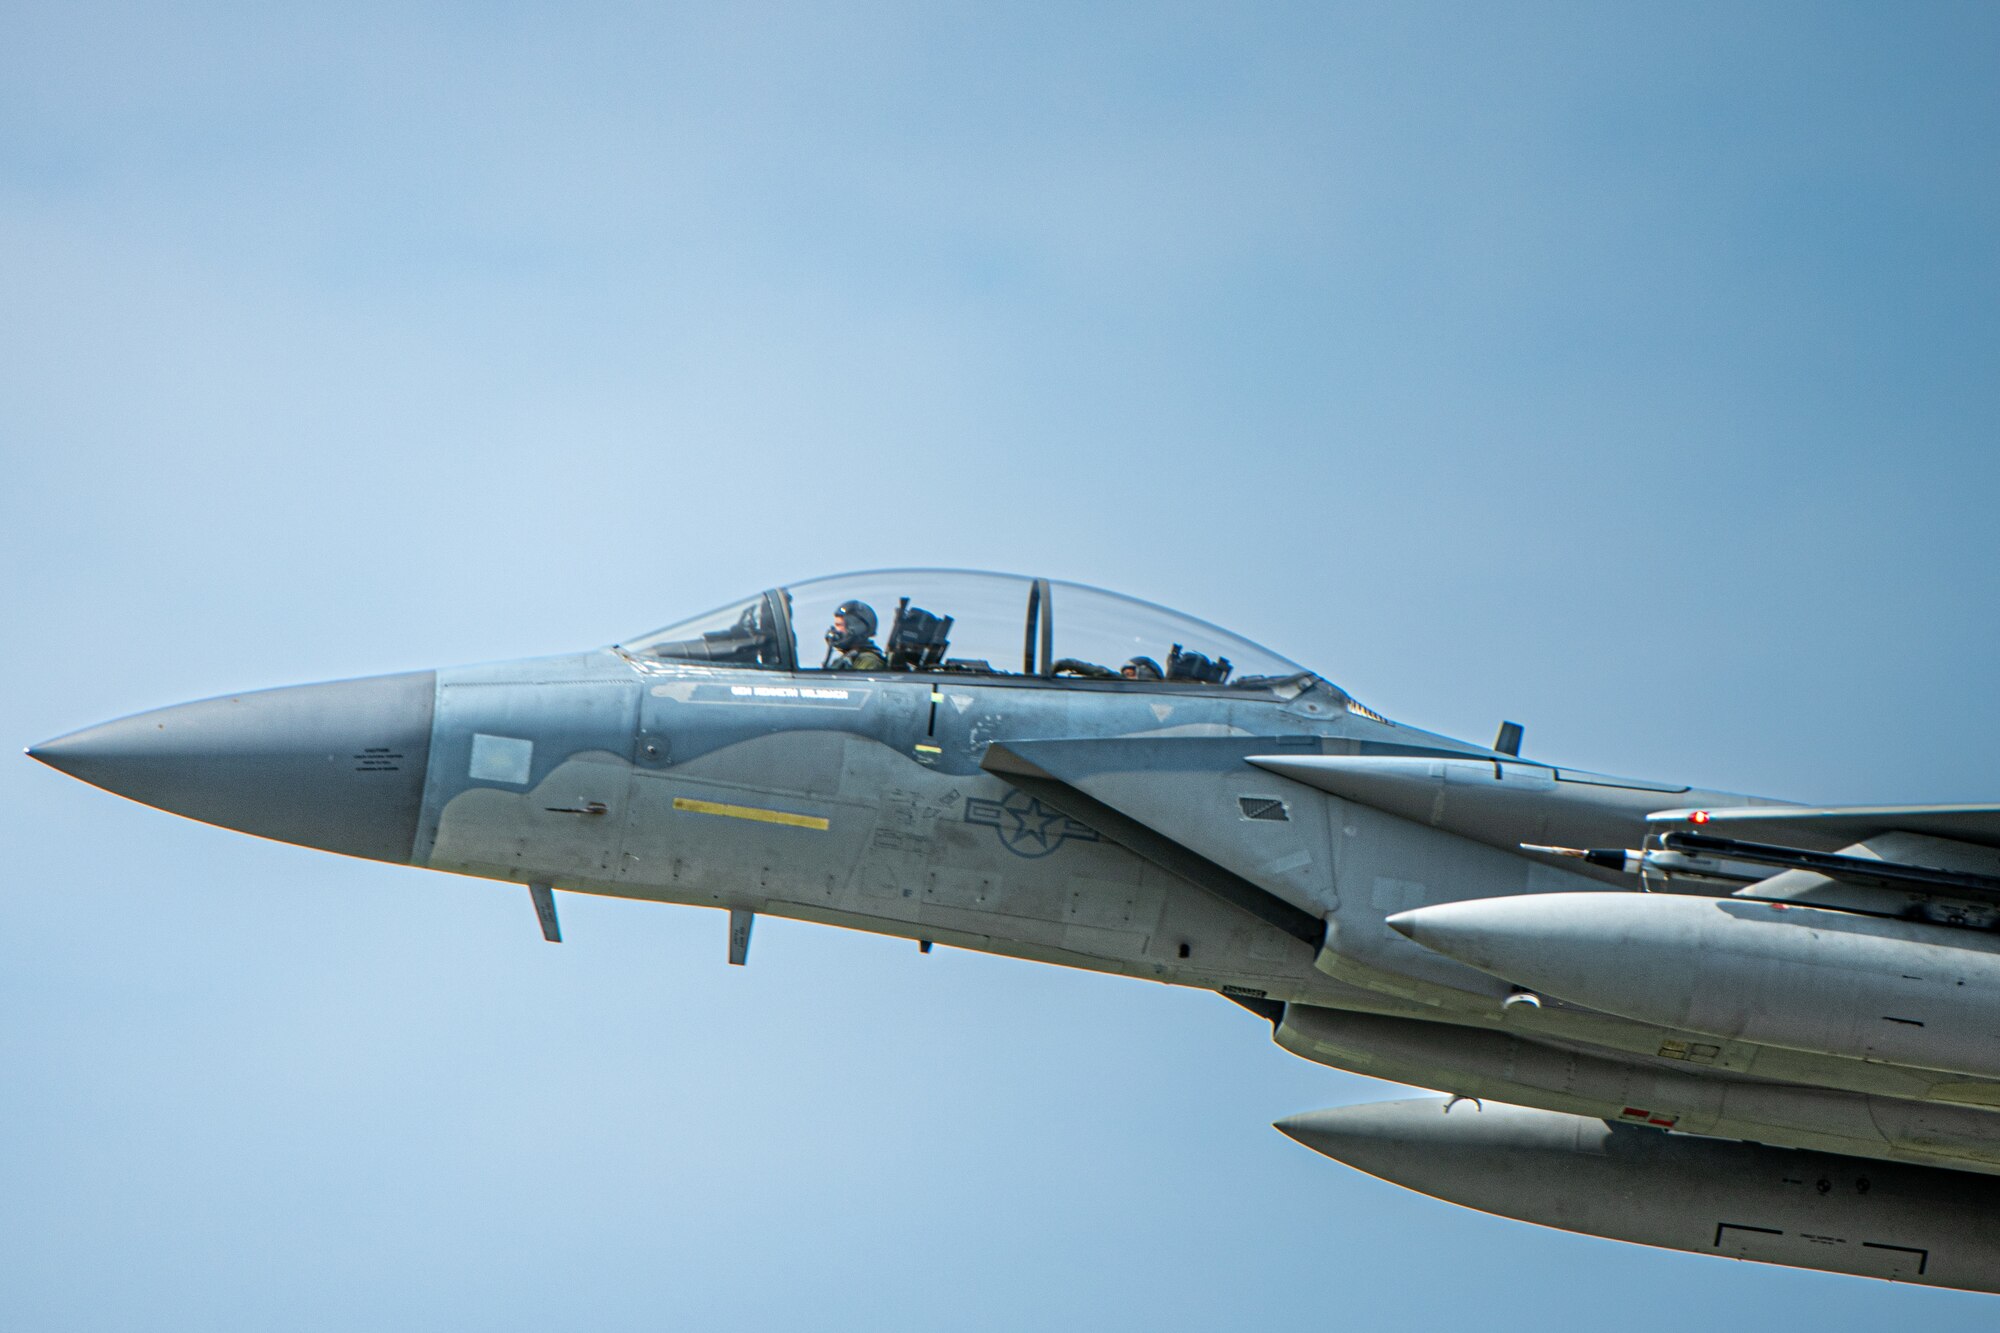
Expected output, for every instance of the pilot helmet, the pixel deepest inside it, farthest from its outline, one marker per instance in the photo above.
(860, 619)
(1142, 668)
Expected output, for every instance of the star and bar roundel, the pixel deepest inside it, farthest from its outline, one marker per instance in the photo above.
(1026, 826)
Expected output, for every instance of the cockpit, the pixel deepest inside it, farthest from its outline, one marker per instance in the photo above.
(959, 622)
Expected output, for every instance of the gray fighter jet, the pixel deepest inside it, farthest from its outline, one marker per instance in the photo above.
(1708, 1022)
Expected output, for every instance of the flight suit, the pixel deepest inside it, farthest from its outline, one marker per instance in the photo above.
(864, 656)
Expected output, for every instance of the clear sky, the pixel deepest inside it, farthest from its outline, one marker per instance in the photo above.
(1626, 370)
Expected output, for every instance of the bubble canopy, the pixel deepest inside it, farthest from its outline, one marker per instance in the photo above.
(963, 622)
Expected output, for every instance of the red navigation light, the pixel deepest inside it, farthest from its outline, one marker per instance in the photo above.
(1698, 817)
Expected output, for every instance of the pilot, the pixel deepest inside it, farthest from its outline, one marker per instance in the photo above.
(851, 641)
(1142, 668)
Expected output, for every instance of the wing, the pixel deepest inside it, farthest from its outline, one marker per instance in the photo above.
(1829, 828)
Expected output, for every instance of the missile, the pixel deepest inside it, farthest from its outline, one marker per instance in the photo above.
(1656, 867)
(1820, 1211)
(1777, 974)
(1730, 862)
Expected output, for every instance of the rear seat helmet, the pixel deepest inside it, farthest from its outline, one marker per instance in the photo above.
(859, 619)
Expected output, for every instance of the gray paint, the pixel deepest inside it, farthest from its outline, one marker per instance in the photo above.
(1704, 1196)
(1687, 1094)
(338, 766)
(1836, 983)
(1252, 840)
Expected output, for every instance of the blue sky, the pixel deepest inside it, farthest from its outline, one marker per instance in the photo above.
(1625, 370)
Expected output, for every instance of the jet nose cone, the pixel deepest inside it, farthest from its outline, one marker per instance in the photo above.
(337, 766)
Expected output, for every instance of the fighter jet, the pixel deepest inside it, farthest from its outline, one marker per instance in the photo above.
(1709, 1022)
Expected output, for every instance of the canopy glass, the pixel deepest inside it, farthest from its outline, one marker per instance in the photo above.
(960, 622)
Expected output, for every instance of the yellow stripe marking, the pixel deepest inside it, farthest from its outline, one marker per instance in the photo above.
(930, 749)
(762, 816)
